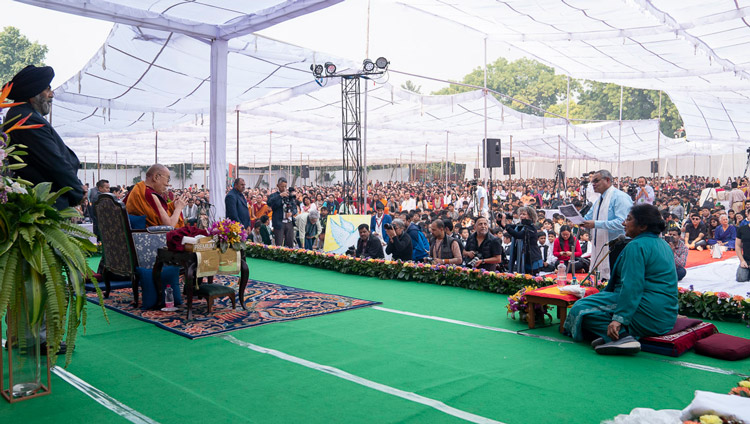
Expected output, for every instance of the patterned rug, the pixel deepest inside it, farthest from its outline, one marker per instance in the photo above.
(265, 302)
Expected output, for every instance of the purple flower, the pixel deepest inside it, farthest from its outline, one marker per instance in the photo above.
(691, 288)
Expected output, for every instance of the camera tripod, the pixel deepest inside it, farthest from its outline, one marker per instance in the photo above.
(560, 182)
(747, 164)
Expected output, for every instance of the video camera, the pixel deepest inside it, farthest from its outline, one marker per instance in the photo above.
(472, 263)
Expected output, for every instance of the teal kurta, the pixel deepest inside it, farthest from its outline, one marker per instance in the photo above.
(642, 294)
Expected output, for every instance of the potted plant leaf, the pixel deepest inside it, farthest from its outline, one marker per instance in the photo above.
(43, 266)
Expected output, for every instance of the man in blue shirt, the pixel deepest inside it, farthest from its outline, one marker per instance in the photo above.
(606, 217)
(236, 204)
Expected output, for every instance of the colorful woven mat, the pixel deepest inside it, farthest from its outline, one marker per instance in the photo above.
(265, 302)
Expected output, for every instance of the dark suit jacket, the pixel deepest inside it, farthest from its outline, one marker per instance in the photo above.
(400, 247)
(49, 159)
(370, 249)
(237, 210)
(276, 203)
(386, 220)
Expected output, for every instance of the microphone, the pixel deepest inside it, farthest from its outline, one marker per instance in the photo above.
(620, 239)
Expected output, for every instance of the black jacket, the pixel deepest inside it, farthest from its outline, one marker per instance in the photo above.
(49, 159)
(236, 208)
(400, 247)
(276, 203)
(370, 249)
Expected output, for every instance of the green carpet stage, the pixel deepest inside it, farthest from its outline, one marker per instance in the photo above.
(428, 354)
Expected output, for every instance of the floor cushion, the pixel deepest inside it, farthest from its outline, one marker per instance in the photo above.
(684, 335)
(724, 346)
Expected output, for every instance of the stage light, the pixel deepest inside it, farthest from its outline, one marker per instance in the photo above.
(330, 68)
(368, 66)
(317, 70)
(382, 63)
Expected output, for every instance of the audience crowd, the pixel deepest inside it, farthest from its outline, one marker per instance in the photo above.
(463, 224)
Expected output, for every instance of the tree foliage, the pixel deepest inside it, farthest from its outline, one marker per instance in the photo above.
(410, 86)
(16, 52)
(536, 84)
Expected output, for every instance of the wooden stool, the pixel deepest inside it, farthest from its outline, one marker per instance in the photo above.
(551, 295)
(210, 292)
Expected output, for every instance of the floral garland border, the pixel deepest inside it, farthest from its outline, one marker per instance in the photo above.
(708, 305)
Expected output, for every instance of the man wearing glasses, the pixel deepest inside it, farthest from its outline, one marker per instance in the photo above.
(149, 198)
(605, 217)
(695, 233)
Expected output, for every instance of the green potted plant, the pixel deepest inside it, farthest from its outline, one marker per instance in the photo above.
(43, 267)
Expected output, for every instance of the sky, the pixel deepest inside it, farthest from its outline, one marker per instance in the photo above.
(340, 30)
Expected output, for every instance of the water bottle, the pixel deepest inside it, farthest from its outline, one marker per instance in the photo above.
(562, 275)
(169, 298)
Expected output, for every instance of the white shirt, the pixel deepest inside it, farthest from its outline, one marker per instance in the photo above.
(482, 194)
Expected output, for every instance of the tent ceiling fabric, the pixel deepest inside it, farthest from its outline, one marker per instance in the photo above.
(695, 51)
(155, 76)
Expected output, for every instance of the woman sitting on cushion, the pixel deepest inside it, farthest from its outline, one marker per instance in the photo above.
(641, 297)
(724, 234)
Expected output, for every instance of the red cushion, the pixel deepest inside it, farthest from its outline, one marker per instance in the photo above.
(724, 346)
(675, 343)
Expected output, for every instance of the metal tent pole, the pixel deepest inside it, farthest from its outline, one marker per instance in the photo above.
(205, 183)
(156, 146)
(510, 160)
(619, 143)
(567, 128)
(116, 169)
(98, 158)
(658, 139)
(485, 104)
(270, 151)
(237, 164)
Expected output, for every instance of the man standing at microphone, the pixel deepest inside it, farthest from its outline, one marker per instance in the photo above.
(606, 217)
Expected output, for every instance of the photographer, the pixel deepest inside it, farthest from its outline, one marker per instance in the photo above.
(399, 243)
(483, 250)
(679, 250)
(284, 207)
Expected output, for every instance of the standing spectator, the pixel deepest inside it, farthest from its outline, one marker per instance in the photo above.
(190, 213)
(736, 198)
(48, 158)
(680, 252)
(418, 240)
(236, 204)
(645, 192)
(308, 228)
(102, 186)
(284, 208)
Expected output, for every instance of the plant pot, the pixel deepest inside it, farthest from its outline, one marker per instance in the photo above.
(23, 335)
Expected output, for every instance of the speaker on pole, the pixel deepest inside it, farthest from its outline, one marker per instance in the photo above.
(654, 166)
(492, 158)
(305, 173)
(476, 173)
(509, 166)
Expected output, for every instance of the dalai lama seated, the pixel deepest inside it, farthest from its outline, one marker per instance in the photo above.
(148, 198)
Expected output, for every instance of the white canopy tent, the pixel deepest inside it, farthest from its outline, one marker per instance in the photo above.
(182, 65)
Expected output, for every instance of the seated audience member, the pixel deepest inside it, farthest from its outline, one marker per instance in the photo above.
(641, 297)
(265, 231)
(419, 243)
(463, 236)
(546, 251)
(679, 250)
(399, 243)
(695, 233)
(565, 247)
(444, 248)
(484, 246)
(507, 241)
(743, 253)
(149, 198)
(587, 249)
(724, 234)
(368, 245)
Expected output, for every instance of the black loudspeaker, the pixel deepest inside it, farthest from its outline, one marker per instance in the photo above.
(305, 171)
(509, 166)
(492, 158)
(654, 166)
(476, 173)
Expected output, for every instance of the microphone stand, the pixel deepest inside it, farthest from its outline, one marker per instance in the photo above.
(588, 276)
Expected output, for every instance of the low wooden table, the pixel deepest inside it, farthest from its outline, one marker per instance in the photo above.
(189, 261)
(547, 296)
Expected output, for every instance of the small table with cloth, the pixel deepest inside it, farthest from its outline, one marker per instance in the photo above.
(189, 261)
(641, 295)
(551, 295)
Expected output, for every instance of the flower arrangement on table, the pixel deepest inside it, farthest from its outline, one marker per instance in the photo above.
(518, 303)
(228, 233)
